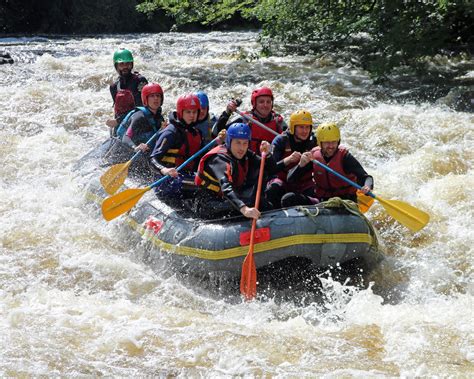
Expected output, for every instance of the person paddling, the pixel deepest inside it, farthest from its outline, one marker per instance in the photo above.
(287, 150)
(332, 154)
(262, 101)
(178, 141)
(228, 177)
(126, 89)
(143, 122)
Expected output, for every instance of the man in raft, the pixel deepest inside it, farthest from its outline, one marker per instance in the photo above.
(332, 154)
(127, 88)
(228, 177)
(175, 144)
(262, 110)
(287, 150)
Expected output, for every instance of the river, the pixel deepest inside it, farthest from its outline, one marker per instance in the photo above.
(75, 301)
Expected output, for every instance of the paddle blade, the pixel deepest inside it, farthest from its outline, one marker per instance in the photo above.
(120, 203)
(248, 279)
(406, 214)
(364, 202)
(114, 177)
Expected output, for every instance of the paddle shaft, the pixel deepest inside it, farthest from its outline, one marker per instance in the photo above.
(152, 138)
(186, 162)
(248, 279)
(251, 119)
(353, 184)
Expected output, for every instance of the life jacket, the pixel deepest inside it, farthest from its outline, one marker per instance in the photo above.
(145, 136)
(304, 182)
(191, 143)
(260, 134)
(327, 184)
(124, 102)
(235, 172)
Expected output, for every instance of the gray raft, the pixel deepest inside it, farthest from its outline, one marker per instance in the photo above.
(325, 236)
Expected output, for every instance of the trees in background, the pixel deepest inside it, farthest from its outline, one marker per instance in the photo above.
(378, 35)
(78, 17)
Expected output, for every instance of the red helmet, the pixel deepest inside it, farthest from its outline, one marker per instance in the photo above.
(149, 89)
(264, 91)
(188, 101)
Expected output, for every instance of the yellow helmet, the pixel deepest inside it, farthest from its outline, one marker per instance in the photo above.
(301, 117)
(327, 132)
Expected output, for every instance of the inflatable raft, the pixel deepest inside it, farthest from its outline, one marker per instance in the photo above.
(326, 236)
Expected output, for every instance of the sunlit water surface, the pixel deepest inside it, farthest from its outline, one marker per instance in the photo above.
(75, 300)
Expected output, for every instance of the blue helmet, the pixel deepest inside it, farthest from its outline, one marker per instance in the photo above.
(203, 99)
(238, 130)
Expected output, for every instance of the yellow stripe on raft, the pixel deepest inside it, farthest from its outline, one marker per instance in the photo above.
(259, 247)
(243, 250)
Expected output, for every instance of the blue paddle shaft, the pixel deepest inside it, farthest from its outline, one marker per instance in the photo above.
(353, 184)
(186, 162)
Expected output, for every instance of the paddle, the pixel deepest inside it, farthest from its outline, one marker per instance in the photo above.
(364, 202)
(248, 278)
(406, 214)
(120, 203)
(115, 176)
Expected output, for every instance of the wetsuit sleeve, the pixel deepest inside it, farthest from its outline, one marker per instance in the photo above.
(279, 145)
(271, 166)
(138, 123)
(113, 91)
(163, 144)
(352, 166)
(298, 172)
(224, 121)
(221, 170)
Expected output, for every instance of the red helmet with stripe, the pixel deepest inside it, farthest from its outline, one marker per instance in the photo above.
(264, 91)
(188, 101)
(149, 89)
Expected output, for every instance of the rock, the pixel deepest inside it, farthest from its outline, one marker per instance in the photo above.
(5, 58)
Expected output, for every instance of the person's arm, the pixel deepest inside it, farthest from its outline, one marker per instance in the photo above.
(223, 120)
(163, 144)
(301, 168)
(351, 165)
(221, 170)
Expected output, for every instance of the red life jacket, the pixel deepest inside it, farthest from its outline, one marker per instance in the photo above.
(235, 172)
(305, 182)
(124, 102)
(190, 146)
(327, 184)
(260, 134)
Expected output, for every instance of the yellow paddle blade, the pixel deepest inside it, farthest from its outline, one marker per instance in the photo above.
(114, 177)
(364, 202)
(406, 214)
(120, 203)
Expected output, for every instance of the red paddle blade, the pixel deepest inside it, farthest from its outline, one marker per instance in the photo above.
(248, 279)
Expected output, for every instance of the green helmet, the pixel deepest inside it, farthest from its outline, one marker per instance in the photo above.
(123, 55)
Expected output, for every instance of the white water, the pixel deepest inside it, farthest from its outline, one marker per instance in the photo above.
(75, 301)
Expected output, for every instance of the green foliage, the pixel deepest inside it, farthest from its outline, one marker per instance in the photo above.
(382, 34)
(205, 12)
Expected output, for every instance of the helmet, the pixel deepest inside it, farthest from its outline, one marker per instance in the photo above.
(238, 130)
(328, 132)
(264, 91)
(203, 99)
(149, 89)
(301, 117)
(123, 55)
(188, 101)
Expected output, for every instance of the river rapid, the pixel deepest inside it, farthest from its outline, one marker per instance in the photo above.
(75, 300)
